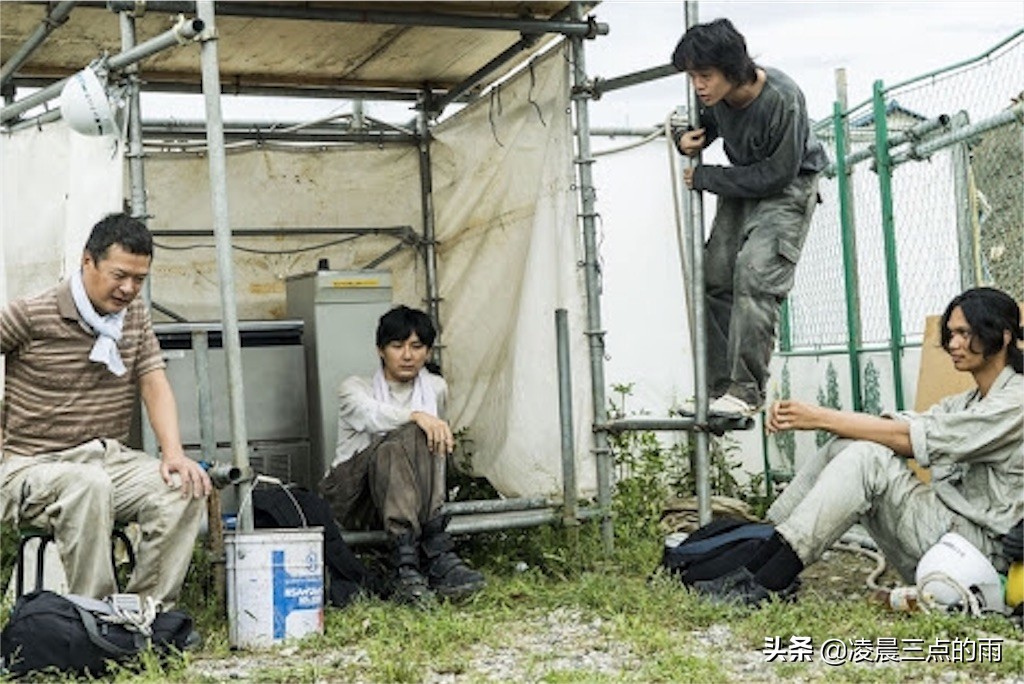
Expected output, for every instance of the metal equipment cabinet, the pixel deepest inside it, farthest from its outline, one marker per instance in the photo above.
(339, 310)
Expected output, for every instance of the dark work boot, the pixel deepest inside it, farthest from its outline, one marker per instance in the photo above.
(448, 575)
(408, 583)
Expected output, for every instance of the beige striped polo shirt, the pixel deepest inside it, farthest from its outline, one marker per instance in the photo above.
(54, 396)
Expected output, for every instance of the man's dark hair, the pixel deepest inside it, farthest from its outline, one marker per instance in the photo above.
(716, 45)
(990, 313)
(119, 229)
(396, 326)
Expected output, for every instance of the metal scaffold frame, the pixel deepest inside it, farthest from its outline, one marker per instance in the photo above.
(212, 134)
(471, 516)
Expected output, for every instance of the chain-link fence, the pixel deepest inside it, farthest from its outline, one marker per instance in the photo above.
(940, 210)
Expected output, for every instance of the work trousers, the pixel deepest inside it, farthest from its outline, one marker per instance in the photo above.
(749, 264)
(396, 482)
(848, 482)
(78, 494)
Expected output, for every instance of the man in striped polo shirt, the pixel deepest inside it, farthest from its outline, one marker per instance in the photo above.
(75, 356)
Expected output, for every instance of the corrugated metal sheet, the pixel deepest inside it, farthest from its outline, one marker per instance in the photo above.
(259, 51)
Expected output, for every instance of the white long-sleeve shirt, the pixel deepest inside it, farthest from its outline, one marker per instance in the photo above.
(361, 416)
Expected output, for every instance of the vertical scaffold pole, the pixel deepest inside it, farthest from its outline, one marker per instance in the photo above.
(429, 237)
(136, 175)
(700, 358)
(595, 334)
(222, 238)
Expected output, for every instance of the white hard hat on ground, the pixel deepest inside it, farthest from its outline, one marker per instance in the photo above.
(85, 106)
(955, 573)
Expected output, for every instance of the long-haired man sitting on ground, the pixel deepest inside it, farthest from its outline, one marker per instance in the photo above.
(973, 442)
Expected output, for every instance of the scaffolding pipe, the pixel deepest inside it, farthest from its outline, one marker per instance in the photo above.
(135, 154)
(625, 132)
(494, 505)
(185, 30)
(965, 208)
(927, 148)
(916, 132)
(565, 417)
(595, 334)
(485, 522)
(136, 175)
(602, 86)
(56, 18)
(429, 242)
(231, 339)
(404, 233)
(700, 350)
(207, 434)
(587, 29)
(188, 140)
(437, 105)
(236, 87)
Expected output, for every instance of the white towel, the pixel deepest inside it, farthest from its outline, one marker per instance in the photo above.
(424, 398)
(106, 328)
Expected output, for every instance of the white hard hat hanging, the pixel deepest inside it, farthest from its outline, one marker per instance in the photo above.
(85, 106)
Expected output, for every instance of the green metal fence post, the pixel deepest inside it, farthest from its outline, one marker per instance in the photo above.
(883, 164)
(850, 282)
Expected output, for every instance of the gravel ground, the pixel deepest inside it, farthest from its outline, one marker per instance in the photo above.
(569, 641)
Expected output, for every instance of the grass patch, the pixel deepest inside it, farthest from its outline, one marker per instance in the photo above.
(558, 610)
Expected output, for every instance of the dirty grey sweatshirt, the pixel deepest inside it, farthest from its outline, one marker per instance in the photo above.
(769, 142)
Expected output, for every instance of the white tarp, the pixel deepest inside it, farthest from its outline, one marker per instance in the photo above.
(508, 254)
(56, 185)
(504, 189)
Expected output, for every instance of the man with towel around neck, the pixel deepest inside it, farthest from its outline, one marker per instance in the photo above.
(391, 433)
(75, 356)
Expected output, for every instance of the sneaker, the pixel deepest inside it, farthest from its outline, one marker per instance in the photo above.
(449, 577)
(689, 406)
(730, 405)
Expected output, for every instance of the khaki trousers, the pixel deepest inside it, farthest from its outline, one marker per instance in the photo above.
(394, 482)
(848, 482)
(79, 493)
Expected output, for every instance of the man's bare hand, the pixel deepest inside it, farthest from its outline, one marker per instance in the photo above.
(440, 439)
(194, 480)
(793, 415)
(692, 142)
(688, 177)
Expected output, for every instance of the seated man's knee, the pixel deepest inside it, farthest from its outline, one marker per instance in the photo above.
(864, 455)
(835, 446)
(409, 435)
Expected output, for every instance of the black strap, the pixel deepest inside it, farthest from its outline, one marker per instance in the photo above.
(92, 629)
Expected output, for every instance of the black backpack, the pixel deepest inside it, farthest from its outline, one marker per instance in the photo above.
(716, 549)
(347, 575)
(67, 633)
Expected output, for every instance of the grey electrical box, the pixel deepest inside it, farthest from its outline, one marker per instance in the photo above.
(340, 310)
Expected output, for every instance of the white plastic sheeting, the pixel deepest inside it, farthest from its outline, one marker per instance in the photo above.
(504, 189)
(56, 185)
(508, 254)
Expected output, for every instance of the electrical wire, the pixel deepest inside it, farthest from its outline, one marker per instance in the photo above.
(253, 250)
